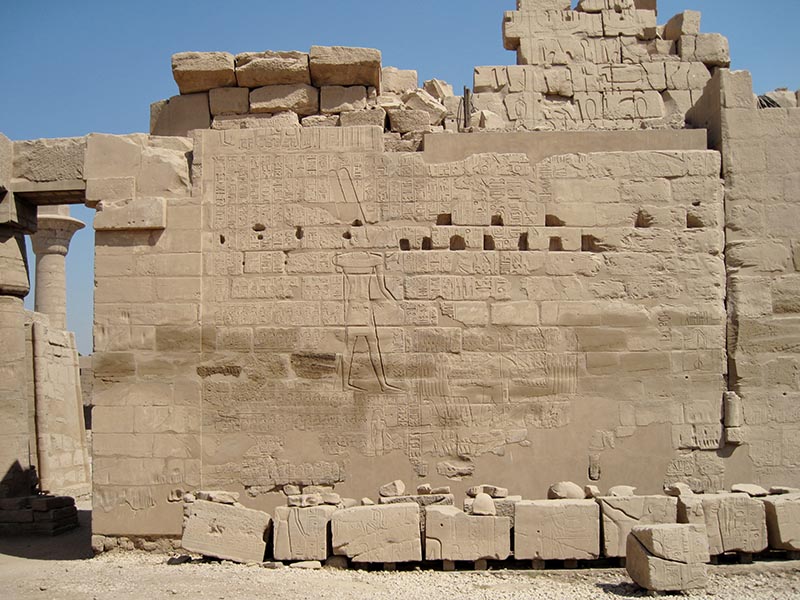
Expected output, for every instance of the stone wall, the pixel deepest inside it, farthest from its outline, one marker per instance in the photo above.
(319, 311)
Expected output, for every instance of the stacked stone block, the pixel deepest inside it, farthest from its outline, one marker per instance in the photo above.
(25, 515)
(664, 558)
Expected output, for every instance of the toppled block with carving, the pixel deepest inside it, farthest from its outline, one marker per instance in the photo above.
(224, 531)
(378, 533)
(453, 535)
(735, 522)
(621, 513)
(202, 71)
(668, 557)
(557, 530)
(301, 533)
(339, 65)
(783, 521)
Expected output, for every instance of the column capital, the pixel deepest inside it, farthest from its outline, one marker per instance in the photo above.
(54, 234)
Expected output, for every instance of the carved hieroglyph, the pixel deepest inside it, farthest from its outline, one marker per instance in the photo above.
(620, 514)
(378, 533)
(557, 530)
(301, 533)
(453, 535)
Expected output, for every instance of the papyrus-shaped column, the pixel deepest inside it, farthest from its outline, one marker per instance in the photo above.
(51, 244)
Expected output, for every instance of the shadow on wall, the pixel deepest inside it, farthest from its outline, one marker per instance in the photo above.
(75, 544)
(19, 481)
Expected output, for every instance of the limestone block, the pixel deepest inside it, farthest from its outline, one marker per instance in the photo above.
(484, 505)
(339, 65)
(398, 81)
(654, 572)
(180, 115)
(422, 500)
(629, 22)
(320, 121)
(490, 121)
(304, 500)
(281, 120)
(622, 490)
(389, 533)
(335, 99)
(299, 98)
(711, 49)
(493, 491)
(130, 215)
(110, 188)
(219, 496)
(405, 121)
(565, 490)
(685, 23)
(202, 71)
(504, 507)
(678, 489)
(557, 530)
(374, 117)
(536, 5)
(229, 101)
(783, 521)
(752, 490)
(301, 533)
(735, 522)
(784, 98)
(439, 89)
(621, 514)
(224, 531)
(421, 100)
(392, 489)
(258, 69)
(454, 535)
(686, 543)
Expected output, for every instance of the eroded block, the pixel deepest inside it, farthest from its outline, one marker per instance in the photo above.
(257, 69)
(301, 533)
(202, 71)
(299, 98)
(224, 531)
(453, 535)
(783, 521)
(339, 65)
(387, 533)
(664, 558)
(621, 513)
(557, 530)
(735, 522)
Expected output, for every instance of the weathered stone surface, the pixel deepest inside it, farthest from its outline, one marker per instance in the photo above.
(335, 99)
(666, 559)
(421, 499)
(565, 490)
(439, 89)
(339, 65)
(258, 69)
(783, 521)
(306, 564)
(454, 535)
(373, 117)
(299, 98)
(735, 522)
(229, 101)
(404, 121)
(678, 489)
(392, 489)
(685, 23)
(224, 531)
(280, 120)
(622, 490)
(53, 159)
(504, 507)
(398, 81)
(202, 71)
(751, 489)
(378, 533)
(557, 530)
(320, 121)
(420, 100)
(621, 514)
(301, 533)
(219, 496)
(484, 505)
(304, 500)
(130, 215)
(493, 490)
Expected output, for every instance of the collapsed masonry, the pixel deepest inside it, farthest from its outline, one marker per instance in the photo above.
(596, 278)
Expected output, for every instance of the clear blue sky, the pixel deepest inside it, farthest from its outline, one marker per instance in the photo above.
(69, 68)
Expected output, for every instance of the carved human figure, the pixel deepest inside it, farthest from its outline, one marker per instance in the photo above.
(363, 275)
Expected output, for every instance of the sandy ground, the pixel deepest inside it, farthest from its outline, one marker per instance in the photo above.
(62, 568)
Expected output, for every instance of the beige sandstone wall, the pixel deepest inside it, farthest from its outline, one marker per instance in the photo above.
(564, 320)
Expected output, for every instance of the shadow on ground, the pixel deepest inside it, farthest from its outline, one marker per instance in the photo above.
(72, 545)
(623, 589)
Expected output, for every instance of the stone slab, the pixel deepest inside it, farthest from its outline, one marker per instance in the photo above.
(504, 507)
(621, 513)
(299, 98)
(783, 521)
(224, 531)
(735, 522)
(257, 69)
(379, 533)
(687, 543)
(340, 65)
(301, 533)
(657, 574)
(557, 530)
(450, 534)
(202, 71)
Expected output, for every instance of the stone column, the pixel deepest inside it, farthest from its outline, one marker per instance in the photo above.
(16, 452)
(51, 244)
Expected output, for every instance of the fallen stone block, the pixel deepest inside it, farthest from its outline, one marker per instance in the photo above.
(621, 490)
(557, 530)
(678, 489)
(219, 496)
(621, 513)
(202, 71)
(439, 89)
(484, 505)
(421, 100)
(493, 491)
(751, 489)
(685, 23)
(734, 522)
(392, 489)
(565, 490)
(224, 531)
(339, 65)
(257, 69)
(301, 533)
(504, 507)
(299, 98)
(389, 533)
(667, 557)
(306, 564)
(453, 535)
(783, 521)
